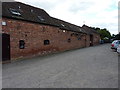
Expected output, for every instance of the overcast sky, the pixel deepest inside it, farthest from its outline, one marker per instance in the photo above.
(95, 13)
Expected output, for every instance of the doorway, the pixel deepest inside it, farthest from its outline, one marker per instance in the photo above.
(91, 40)
(5, 47)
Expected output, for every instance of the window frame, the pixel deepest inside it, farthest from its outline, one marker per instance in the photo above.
(4, 23)
(69, 40)
(21, 44)
(15, 12)
(41, 18)
(47, 42)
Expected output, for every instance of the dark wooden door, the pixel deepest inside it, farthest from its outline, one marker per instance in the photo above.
(5, 47)
(91, 40)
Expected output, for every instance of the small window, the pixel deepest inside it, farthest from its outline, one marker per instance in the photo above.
(64, 31)
(80, 30)
(4, 23)
(21, 44)
(19, 7)
(72, 34)
(31, 10)
(69, 40)
(41, 18)
(15, 12)
(46, 42)
(63, 25)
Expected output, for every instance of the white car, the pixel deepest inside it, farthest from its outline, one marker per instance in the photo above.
(115, 44)
(118, 49)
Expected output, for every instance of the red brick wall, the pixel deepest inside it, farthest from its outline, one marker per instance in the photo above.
(34, 35)
(87, 40)
(96, 39)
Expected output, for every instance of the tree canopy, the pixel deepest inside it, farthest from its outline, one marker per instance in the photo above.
(104, 33)
(116, 37)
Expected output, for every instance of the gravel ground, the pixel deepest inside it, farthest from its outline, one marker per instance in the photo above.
(92, 67)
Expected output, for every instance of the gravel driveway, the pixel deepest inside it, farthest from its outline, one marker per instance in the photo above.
(92, 67)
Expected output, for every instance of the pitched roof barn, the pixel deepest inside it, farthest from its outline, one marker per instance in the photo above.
(20, 11)
(25, 12)
(89, 30)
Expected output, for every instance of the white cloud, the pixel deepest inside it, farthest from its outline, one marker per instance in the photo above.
(98, 13)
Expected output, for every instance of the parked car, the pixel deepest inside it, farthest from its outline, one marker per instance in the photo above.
(118, 49)
(101, 41)
(115, 44)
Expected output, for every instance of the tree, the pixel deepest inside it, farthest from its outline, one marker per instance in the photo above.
(104, 33)
(117, 37)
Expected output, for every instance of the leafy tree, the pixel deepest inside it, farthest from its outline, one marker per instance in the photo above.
(117, 37)
(104, 33)
(113, 36)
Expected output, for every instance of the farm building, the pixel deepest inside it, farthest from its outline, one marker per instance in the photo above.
(28, 31)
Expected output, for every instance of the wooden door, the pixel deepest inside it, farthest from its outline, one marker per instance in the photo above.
(5, 47)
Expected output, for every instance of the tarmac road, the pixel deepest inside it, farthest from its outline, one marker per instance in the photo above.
(92, 67)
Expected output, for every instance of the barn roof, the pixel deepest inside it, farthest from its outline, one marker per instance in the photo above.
(67, 26)
(18, 10)
(89, 30)
(22, 11)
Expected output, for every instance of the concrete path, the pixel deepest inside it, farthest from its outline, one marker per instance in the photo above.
(92, 67)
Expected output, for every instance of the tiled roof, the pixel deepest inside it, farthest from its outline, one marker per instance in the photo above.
(89, 30)
(22, 11)
(18, 10)
(67, 26)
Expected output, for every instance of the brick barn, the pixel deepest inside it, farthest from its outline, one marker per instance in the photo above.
(28, 31)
